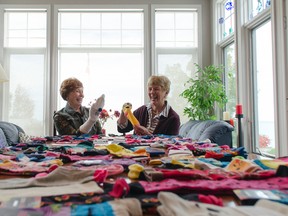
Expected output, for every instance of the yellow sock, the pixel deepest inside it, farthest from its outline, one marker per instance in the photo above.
(135, 170)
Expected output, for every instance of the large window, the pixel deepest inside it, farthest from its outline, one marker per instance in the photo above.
(264, 73)
(257, 78)
(262, 77)
(108, 48)
(230, 77)
(225, 37)
(176, 50)
(264, 124)
(25, 60)
(105, 50)
(230, 85)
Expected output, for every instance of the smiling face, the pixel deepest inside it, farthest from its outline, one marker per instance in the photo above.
(75, 98)
(158, 88)
(157, 95)
(71, 90)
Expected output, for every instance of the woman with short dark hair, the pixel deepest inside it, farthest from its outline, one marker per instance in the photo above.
(75, 119)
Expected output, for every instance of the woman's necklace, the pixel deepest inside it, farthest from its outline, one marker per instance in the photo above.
(157, 111)
(154, 112)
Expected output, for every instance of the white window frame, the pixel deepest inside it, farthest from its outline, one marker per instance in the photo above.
(279, 67)
(155, 51)
(190, 50)
(94, 7)
(220, 44)
(5, 52)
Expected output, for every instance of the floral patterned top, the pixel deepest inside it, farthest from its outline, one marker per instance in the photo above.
(67, 121)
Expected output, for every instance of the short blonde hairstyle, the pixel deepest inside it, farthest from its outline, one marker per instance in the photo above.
(69, 85)
(161, 81)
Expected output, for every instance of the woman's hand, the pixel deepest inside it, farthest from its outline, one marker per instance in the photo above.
(94, 111)
(140, 130)
(123, 118)
(96, 107)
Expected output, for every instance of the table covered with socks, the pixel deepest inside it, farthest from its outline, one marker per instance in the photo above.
(134, 175)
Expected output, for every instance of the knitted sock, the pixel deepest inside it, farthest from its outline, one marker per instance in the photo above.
(263, 207)
(52, 210)
(100, 175)
(50, 191)
(150, 202)
(135, 170)
(127, 206)
(173, 205)
(241, 165)
(58, 177)
(120, 188)
(121, 207)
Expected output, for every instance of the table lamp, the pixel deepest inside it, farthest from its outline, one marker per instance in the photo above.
(3, 76)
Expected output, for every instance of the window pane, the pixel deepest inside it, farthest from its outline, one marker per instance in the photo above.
(70, 37)
(176, 48)
(101, 29)
(70, 20)
(165, 20)
(16, 20)
(111, 37)
(25, 32)
(111, 21)
(226, 18)
(132, 21)
(181, 21)
(263, 90)
(257, 6)
(230, 85)
(90, 37)
(25, 29)
(178, 68)
(176, 29)
(26, 92)
(36, 21)
(86, 21)
(132, 38)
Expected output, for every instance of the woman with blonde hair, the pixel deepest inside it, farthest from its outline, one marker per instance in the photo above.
(157, 117)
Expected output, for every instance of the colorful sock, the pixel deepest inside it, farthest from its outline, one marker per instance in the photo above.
(50, 191)
(127, 206)
(173, 205)
(120, 207)
(135, 170)
(120, 188)
(58, 177)
(240, 165)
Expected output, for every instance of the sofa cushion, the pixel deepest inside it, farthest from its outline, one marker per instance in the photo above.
(10, 131)
(3, 142)
(217, 131)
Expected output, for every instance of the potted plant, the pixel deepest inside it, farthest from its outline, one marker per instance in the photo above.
(204, 92)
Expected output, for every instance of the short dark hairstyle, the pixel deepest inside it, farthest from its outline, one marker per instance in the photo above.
(69, 85)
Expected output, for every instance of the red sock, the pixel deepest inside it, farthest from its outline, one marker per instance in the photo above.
(120, 188)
